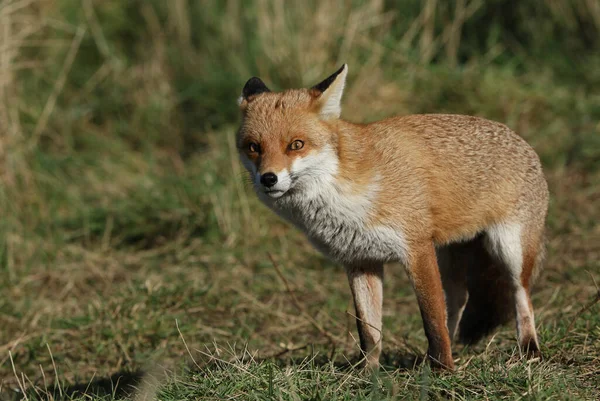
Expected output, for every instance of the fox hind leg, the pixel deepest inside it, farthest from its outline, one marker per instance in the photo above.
(519, 255)
(454, 281)
(528, 340)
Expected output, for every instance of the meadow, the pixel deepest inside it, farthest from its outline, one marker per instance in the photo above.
(135, 261)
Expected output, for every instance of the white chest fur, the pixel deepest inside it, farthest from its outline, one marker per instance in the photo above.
(336, 221)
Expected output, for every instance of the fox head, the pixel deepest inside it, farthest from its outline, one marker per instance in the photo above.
(285, 140)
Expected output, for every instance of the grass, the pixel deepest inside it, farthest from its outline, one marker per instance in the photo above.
(133, 254)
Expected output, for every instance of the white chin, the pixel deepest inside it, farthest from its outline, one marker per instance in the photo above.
(275, 194)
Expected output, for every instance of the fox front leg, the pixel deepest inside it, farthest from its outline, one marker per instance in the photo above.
(423, 270)
(366, 284)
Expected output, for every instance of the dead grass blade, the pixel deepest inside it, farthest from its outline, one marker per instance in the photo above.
(298, 305)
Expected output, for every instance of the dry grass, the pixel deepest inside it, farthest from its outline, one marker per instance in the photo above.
(124, 209)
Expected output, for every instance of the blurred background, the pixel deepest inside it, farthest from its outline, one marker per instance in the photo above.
(123, 207)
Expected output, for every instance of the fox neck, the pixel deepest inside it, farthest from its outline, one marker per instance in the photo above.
(352, 147)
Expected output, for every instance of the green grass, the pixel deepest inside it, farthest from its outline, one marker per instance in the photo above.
(133, 253)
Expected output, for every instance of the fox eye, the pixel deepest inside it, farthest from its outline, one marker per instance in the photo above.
(253, 147)
(296, 145)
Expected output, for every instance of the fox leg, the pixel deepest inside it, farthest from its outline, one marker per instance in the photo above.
(520, 257)
(425, 276)
(528, 340)
(366, 284)
(453, 272)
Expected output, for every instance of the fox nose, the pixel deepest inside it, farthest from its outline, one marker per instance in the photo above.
(268, 179)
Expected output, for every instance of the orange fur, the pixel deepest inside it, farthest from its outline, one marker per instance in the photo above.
(428, 287)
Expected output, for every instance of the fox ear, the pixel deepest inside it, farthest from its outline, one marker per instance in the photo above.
(253, 87)
(329, 92)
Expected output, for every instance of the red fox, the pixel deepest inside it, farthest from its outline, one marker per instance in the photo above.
(460, 201)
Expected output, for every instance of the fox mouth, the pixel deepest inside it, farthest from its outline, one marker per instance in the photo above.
(274, 193)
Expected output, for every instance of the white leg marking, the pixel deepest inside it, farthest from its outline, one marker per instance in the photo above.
(505, 241)
(525, 322)
(455, 306)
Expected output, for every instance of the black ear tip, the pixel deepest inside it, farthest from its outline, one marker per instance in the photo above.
(322, 86)
(254, 81)
(254, 86)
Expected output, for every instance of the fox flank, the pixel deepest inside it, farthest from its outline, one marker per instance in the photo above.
(460, 201)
